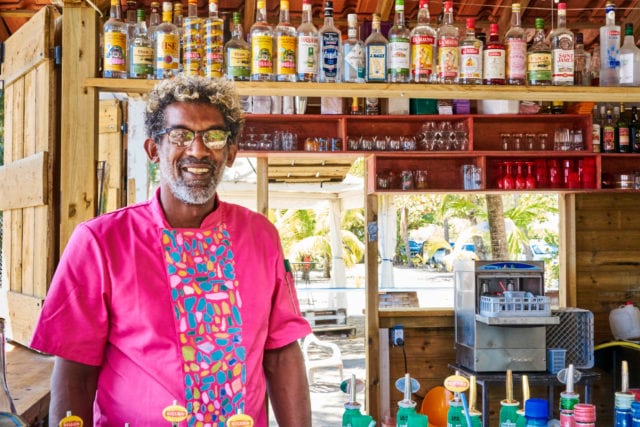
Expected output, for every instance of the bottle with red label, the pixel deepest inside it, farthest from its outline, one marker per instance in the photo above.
(447, 42)
(470, 56)
(494, 58)
(516, 45)
(423, 39)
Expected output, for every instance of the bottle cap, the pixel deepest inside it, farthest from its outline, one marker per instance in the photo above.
(471, 23)
(584, 412)
(493, 29)
(352, 19)
(562, 6)
(536, 408)
(579, 38)
(623, 400)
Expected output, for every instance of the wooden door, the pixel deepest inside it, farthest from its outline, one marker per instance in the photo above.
(31, 170)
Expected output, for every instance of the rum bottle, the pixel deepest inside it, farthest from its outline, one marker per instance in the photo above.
(213, 42)
(516, 49)
(192, 41)
(539, 58)
(8, 413)
(285, 54)
(261, 45)
(447, 42)
(470, 56)
(423, 49)
(114, 64)
(330, 38)
(237, 53)
(154, 19)
(622, 135)
(562, 50)
(609, 134)
(353, 53)
(493, 60)
(376, 50)
(399, 47)
(167, 45)
(140, 51)
(609, 48)
(178, 21)
(308, 45)
(596, 128)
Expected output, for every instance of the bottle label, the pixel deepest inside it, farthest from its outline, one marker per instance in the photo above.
(141, 61)
(307, 55)
(470, 62)
(539, 67)
(238, 62)
(354, 62)
(562, 71)
(213, 58)
(192, 59)
(611, 61)
(261, 54)
(448, 57)
(626, 68)
(422, 56)
(494, 64)
(608, 139)
(376, 63)
(167, 51)
(329, 52)
(595, 137)
(399, 55)
(114, 51)
(286, 51)
(516, 58)
(623, 139)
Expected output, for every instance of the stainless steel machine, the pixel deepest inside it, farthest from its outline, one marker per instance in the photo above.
(501, 314)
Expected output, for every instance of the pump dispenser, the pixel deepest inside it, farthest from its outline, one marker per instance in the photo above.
(406, 407)
(509, 406)
(568, 399)
(352, 407)
(521, 421)
(623, 399)
(474, 415)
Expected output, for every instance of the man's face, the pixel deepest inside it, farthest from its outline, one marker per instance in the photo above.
(192, 173)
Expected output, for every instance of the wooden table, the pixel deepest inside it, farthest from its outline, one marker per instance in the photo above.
(28, 376)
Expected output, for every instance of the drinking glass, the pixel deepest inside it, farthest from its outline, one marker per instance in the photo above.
(353, 143)
(530, 141)
(516, 141)
(543, 141)
(530, 181)
(505, 141)
(562, 139)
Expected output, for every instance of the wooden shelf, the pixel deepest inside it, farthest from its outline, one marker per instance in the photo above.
(399, 90)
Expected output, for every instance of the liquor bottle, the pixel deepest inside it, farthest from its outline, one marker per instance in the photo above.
(213, 42)
(237, 53)
(634, 130)
(516, 49)
(308, 45)
(285, 54)
(353, 53)
(140, 51)
(376, 50)
(622, 135)
(399, 47)
(539, 58)
(581, 74)
(493, 59)
(596, 128)
(470, 56)
(178, 21)
(115, 44)
(609, 48)
(131, 21)
(154, 19)
(562, 50)
(8, 413)
(447, 42)
(629, 59)
(193, 41)
(167, 45)
(423, 51)
(330, 39)
(261, 45)
(595, 65)
(609, 134)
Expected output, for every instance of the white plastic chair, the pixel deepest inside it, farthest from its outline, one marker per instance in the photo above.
(315, 363)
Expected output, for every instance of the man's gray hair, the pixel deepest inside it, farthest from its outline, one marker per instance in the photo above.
(219, 93)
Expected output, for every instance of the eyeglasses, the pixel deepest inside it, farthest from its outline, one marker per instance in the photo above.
(214, 139)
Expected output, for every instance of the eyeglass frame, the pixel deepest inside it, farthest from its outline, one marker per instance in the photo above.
(206, 142)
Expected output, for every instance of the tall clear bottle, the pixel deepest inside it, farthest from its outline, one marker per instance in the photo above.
(330, 38)
(353, 53)
(237, 53)
(399, 47)
(582, 62)
(261, 45)
(114, 64)
(8, 413)
(562, 45)
(447, 42)
(516, 46)
(629, 59)
(154, 19)
(140, 51)
(192, 41)
(610, 48)
(539, 58)
(178, 21)
(213, 42)
(167, 45)
(308, 46)
(286, 44)
(423, 47)
(131, 21)
(494, 59)
(376, 51)
(470, 56)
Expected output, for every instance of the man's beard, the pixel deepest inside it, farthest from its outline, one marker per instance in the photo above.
(185, 193)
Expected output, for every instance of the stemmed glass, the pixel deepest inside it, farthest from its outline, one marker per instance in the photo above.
(519, 182)
(530, 181)
(508, 183)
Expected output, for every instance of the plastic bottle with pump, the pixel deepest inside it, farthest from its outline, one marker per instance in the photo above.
(568, 400)
(406, 415)
(623, 399)
(352, 407)
(521, 421)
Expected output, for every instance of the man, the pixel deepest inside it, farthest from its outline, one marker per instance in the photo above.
(183, 297)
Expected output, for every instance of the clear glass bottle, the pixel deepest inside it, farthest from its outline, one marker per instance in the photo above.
(140, 51)
(399, 47)
(178, 21)
(610, 48)
(539, 58)
(213, 42)
(595, 65)
(353, 53)
(308, 46)
(114, 64)
(494, 59)
(167, 45)
(470, 56)
(562, 45)
(286, 44)
(330, 38)
(423, 47)
(447, 42)
(376, 51)
(131, 21)
(193, 41)
(154, 19)
(582, 62)
(261, 45)
(629, 59)
(237, 53)
(8, 413)
(515, 42)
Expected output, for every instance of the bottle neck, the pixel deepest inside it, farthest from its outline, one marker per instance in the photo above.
(515, 17)
(116, 11)
(328, 19)
(352, 33)
(213, 9)
(284, 14)
(154, 18)
(261, 13)
(611, 16)
(398, 18)
(306, 13)
(131, 14)
(423, 16)
(471, 33)
(237, 31)
(562, 18)
(166, 12)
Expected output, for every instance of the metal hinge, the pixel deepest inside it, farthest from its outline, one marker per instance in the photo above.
(124, 128)
(57, 55)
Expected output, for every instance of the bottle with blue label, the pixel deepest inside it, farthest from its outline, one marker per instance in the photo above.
(330, 39)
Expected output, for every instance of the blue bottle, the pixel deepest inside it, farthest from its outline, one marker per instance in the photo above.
(536, 411)
(635, 414)
(622, 409)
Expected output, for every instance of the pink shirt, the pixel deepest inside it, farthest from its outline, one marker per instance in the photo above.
(172, 314)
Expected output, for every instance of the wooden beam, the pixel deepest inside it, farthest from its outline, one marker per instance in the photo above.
(17, 13)
(24, 182)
